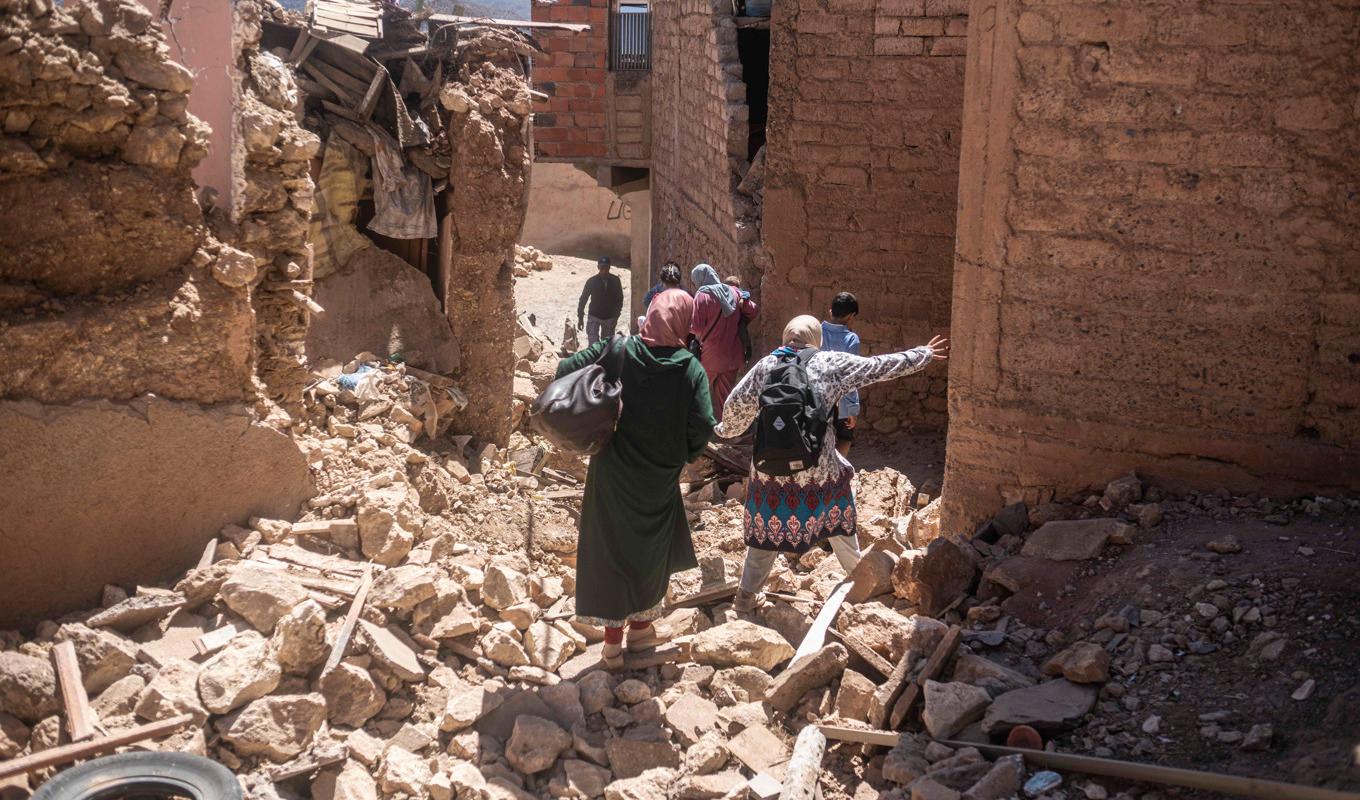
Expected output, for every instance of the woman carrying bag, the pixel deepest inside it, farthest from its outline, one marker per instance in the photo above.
(634, 532)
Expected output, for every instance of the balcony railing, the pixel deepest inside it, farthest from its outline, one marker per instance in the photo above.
(630, 38)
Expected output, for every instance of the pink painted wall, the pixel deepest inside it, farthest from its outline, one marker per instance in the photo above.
(199, 34)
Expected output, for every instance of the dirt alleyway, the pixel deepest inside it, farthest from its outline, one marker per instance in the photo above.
(551, 295)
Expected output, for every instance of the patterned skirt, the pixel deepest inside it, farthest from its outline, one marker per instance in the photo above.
(784, 515)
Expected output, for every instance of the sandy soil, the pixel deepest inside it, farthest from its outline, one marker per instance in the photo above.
(551, 296)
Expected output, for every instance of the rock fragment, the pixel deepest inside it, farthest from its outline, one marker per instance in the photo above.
(104, 657)
(242, 671)
(299, 640)
(262, 597)
(1074, 539)
(28, 686)
(950, 707)
(352, 696)
(1049, 708)
(173, 691)
(535, 744)
(1083, 662)
(741, 643)
(810, 672)
(278, 727)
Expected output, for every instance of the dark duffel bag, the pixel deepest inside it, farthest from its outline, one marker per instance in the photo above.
(579, 411)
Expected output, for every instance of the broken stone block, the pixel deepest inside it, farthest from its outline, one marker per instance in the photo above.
(393, 650)
(810, 672)
(403, 772)
(629, 758)
(1073, 539)
(503, 587)
(921, 635)
(691, 717)
(709, 754)
(402, 588)
(582, 779)
(465, 705)
(28, 686)
(522, 615)
(1049, 708)
(351, 782)
(632, 691)
(1083, 662)
(548, 647)
(261, 597)
(535, 744)
(277, 727)
(758, 748)
(740, 643)
(654, 784)
(597, 692)
(299, 640)
(173, 691)
(874, 624)
(1002, 781)
(201, 585)
(934, 577)
(927, 789)
(974, 669)
(710, 787)
(387, 518)
(949, 707)
(456, 623)
(14, 736)
(854, 696)
(119, 699)
(501, 646)
(1122, 491)
(740, 685)
(872, 576)
(135, 612)
(906, 761)
(352, 696)
(242, 671)
(104, 657)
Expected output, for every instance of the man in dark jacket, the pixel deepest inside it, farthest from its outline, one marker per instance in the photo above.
(604, 292)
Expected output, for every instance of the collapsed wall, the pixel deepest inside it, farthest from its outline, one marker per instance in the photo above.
(865, 121)
(126, 326)
(700, 143)
(1157, 251)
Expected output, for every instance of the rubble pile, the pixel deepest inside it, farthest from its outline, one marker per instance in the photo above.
(530, 259)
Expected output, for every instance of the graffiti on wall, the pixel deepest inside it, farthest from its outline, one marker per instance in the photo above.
(619, 210)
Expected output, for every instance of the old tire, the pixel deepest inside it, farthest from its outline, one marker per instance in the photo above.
(145, 775)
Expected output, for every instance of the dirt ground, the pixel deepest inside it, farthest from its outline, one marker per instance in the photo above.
(551, 295)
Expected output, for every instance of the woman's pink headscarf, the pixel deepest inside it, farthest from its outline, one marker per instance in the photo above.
(668, 319)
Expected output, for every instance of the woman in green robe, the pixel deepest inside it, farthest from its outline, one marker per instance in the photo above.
(634, 533)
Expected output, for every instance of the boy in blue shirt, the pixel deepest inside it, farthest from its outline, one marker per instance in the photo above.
(837, 337)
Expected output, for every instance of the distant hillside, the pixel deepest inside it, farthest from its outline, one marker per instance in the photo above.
(502, 9)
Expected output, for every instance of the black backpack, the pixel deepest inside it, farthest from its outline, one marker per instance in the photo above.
(791, 427)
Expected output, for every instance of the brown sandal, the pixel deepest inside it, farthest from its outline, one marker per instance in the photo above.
(612, 656)
(648, 638)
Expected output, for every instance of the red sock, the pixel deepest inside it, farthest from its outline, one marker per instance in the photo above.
(638, 626)
(613, 635)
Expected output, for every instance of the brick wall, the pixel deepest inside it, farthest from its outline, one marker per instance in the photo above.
(592, 113)
(699, 140)
(865, 117)
(1159, 250)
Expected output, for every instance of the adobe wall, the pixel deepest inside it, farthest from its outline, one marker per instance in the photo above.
(113, 288)
(866, 106)
(1158, 255)
(591, 113)
(571, 214)
(699, 142)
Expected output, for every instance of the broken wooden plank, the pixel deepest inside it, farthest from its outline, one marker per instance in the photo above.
(334, 88)
(303, 46)
(805, 765)
(932, 669)
(309, 762)
(816, 635)
(80, 717)
(866, 653)
(346, 631)
(295, 572)
(74, 752)
(860, 735)
(885, 697)
(309, 559)
(371, 95)
(135, 612)
(1168, 776)
(706, 596)
(306, 302)
(574, 27)
(215, 640)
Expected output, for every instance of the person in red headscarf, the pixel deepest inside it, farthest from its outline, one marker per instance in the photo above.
(634, 532)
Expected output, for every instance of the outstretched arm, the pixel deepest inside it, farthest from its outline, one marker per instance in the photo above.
(854, 372)
(743, 403)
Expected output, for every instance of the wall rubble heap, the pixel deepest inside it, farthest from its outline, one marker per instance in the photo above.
(865, 123)
(112, 290)
(1157, 257)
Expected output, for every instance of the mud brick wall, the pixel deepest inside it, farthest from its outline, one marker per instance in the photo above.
(700, 141)
(1159, 251)
(865, 119)
(592, 113)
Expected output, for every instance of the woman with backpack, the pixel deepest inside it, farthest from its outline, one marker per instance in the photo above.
(634, 532)
(798, 493)
(719, 311)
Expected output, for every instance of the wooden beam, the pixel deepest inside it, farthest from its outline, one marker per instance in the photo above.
(860, 735)
(302, 47)
(331, 86)
(805, 765)
(866, 653)
(816, 635)
(885, 697)
(456, 19)
(79, 716)
(934, 666)
(74, 752)
(351, 619)
(371, 96)
(707, 596)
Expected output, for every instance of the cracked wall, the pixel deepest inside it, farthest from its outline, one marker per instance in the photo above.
(1157, 263)
(127, 328)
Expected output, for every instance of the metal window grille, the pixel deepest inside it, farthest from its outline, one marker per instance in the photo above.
(630, 38)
